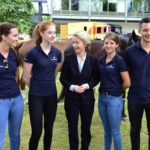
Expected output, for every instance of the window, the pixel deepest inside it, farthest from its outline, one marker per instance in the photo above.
(98, 29)
(112, 7)
(75, 5)
(85, 28)
(105, 6)
(65, 5)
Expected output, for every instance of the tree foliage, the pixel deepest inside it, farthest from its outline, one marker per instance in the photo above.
(140, 5)
(18, 12)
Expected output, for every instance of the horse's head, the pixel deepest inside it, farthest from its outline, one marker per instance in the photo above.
(96, 48)
(135, 37)
(69, 50)
(125, 41)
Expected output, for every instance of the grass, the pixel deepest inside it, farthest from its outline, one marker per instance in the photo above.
(60, 132)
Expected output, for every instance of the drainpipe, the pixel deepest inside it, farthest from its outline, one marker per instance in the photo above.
(89, 10)
(50, 8)
(40, 11)
(126, 11)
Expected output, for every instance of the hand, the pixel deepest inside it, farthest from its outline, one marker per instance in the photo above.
(78, 89)
(84, 86)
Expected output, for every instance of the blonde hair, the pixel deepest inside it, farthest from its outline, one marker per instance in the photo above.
(85, 37)
(41, 27)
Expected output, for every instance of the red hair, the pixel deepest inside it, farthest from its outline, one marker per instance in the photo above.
(41, 27)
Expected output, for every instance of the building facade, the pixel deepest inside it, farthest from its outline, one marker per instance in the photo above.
(123, 12)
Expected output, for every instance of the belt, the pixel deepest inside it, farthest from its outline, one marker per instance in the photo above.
(104, 93)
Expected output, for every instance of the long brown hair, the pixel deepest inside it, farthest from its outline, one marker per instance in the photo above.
(41, 27)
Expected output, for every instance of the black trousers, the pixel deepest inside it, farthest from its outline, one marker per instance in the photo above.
(135, 115)
(39, 106)
(73, 109)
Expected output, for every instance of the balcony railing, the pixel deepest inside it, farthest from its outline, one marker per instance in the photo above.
(69, 12)
(98, 14)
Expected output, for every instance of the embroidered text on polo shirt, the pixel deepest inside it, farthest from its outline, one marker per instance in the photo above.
(54, 58)
(110, 66)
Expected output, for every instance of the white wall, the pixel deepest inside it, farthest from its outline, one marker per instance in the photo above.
(96, 5)
(127, 27)
(121, 6)
(83, 5)
(57, 4)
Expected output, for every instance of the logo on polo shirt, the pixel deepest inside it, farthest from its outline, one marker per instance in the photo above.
(25, 59)
(110, 67)
(54, 58)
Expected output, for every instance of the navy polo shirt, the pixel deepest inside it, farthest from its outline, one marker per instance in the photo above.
(139, 63)
(110, 75)
(8, 85)
(42, 81)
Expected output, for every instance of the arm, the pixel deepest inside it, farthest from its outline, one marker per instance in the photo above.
(126, 80)
(124, 67)
(64, 76)
(57, 68)
(95, 75)
(27, 67)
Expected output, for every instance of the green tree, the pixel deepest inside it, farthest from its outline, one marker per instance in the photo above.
(18, 12)
(140, 5)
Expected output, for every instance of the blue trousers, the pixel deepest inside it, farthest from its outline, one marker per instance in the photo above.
(110, 109)
(11, 111)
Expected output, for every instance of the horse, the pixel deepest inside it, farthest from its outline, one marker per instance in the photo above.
(97, 50)
(23, 47)
(66, 48)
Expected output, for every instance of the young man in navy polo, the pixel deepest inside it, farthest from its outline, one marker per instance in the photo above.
(137, 58)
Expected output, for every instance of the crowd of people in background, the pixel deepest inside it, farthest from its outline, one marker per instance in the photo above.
(81, 72)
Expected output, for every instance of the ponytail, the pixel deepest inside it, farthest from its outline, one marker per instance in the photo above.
(37, 36)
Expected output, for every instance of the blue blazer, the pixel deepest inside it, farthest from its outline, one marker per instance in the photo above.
(71, 75)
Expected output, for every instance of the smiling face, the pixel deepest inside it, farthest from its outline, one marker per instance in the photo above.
(78, 45)
(12, 38)
(110, 45)
(144, 30)
(49, 34)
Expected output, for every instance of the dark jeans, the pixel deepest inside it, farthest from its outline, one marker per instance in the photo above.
(39, 106)
(73, 109)
(135, 115)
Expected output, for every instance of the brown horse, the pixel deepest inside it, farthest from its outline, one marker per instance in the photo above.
(98, 51)
(96, 48)
(66, 47)
(23, 47)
